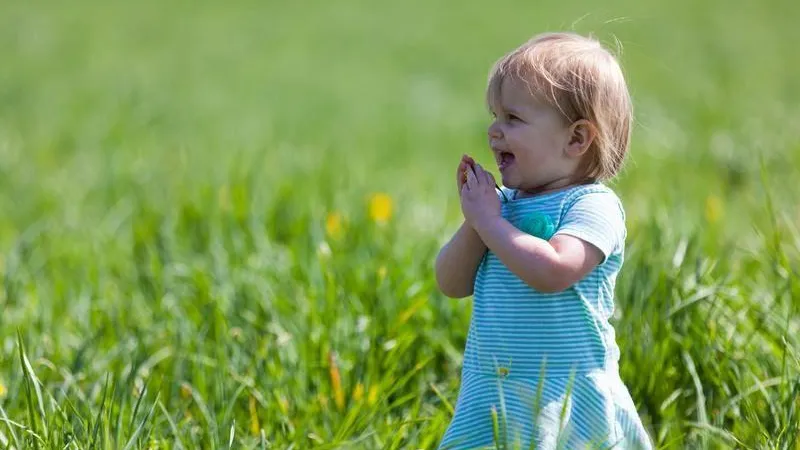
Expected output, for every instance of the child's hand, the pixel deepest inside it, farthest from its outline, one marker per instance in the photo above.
(464, 165)
(479, 200)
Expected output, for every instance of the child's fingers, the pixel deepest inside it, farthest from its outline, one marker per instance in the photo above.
(461, 176)
(487, 180)
(472, 180)
(490, 178)
(480, 173)
(465, 164)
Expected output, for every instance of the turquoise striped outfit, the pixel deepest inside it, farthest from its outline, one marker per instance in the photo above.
(517, 334)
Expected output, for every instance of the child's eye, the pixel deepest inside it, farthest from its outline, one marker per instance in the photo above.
(514, 118)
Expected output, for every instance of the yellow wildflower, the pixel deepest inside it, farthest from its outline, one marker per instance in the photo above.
(336, 381)
(186, 390)
(372, 397)
(3, 390)
(333, 224)
(380, 207)
(358, 392)
(382, 273)
(254, 425)
(713, 209)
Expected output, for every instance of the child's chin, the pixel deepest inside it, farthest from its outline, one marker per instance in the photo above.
(509, 182)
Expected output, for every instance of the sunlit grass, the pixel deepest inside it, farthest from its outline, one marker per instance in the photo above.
(217, 223)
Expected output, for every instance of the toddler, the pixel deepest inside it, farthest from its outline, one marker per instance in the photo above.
(541, 257)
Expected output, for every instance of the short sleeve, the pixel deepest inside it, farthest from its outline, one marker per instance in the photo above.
(597, 218)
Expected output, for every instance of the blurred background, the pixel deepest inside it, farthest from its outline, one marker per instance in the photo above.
(218, 220)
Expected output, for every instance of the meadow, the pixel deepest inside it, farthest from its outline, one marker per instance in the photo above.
(218, 221)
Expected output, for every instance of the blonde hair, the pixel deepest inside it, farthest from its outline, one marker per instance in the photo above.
(583, 80)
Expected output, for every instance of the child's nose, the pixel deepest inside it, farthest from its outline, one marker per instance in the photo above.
(494, 131)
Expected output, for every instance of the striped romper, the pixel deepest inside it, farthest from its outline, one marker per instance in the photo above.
(542, 368)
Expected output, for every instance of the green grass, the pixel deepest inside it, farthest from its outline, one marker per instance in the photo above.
(166, 170)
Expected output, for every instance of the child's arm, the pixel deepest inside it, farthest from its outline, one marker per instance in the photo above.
(547, 266)
(458, 261)
(583, 240)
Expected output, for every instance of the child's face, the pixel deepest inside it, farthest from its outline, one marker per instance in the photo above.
(529, 140)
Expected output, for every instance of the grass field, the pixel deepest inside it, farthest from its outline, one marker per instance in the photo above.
(218, 223)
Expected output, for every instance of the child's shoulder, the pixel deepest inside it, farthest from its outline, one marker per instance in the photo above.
(595, 195)
(594, 213)
(591, 188)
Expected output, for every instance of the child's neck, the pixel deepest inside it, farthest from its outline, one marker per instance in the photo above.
(553, 186)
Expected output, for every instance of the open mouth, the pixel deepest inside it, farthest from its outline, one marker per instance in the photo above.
(504, 159)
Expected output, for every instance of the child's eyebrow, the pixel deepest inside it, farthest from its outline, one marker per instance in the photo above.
(498, 108)
(513, 111)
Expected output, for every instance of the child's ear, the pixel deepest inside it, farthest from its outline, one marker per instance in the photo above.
(581, 135)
